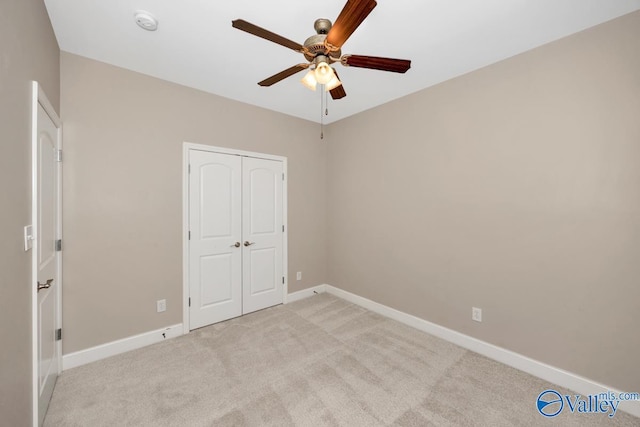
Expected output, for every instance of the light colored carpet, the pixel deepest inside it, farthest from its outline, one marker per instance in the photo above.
(319, 361)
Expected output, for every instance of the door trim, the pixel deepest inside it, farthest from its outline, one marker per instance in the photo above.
(186, 147)
(38, 97)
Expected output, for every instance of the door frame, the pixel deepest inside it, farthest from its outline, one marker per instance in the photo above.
(186, 148)
(40, 98)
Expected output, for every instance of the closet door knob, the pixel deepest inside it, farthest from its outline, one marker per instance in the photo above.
(236, 245)
(248, 243)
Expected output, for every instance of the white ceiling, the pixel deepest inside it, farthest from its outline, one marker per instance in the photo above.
(196, 46)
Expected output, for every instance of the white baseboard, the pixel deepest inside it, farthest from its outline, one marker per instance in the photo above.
(113, 348)
(541, 370)
(109, 349)
(305, 293)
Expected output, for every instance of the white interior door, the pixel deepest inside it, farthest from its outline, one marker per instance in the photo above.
(262, 278)
(46, 258)
(215, 270)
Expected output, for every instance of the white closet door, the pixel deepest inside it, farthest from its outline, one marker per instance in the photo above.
(215, 254)
(262, 183)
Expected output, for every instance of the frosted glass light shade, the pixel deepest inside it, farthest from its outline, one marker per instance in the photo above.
(323, 73)
(333, 83)
(309, 80)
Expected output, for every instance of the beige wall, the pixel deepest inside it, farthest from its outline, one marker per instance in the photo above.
(123, 135)
(28, 51)
(516, 189)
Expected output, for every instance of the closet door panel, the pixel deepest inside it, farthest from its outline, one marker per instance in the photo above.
(262, 183)
(215, 263)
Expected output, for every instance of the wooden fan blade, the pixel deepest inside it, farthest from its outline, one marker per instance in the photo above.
(243, 25)
(377, 63)
(338, 92)
(352, 15)
(283, 74)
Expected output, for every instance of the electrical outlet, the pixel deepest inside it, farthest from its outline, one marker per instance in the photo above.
(161, 305)
(299, 275)
(476, 314)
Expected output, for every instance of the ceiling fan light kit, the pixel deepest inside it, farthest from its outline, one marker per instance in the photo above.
(324, 48)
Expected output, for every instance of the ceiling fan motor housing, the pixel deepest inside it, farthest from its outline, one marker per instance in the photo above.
(315, 44)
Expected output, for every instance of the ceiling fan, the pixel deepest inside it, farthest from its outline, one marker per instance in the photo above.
(324, 48)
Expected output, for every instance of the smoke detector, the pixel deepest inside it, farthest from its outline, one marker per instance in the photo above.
(145, 20)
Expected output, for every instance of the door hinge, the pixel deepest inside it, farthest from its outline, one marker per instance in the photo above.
(58, 155)
(189, 168)
(189, 234)
(283, 177)
(58, 245)
(283, 280)
(283, 228)
(58, 334)
(189, 301)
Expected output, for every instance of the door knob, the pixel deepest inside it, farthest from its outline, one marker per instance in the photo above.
(236, 245)
(248, 243)
(45, 285)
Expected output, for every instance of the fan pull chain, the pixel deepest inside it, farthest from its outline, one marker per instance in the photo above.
(326, 103)
(324, 109)
(321, 110)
